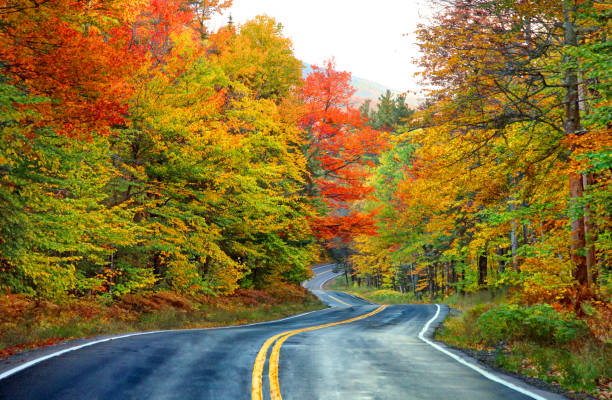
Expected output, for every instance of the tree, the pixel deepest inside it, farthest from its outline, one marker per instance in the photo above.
(73, 54)
(391, 112)
(340, 142)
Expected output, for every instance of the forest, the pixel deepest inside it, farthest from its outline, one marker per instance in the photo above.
(502, 178)
(142, 153)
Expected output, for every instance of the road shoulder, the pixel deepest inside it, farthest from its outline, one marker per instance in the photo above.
(526, 383)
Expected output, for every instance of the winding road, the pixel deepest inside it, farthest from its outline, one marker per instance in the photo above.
(352, 350)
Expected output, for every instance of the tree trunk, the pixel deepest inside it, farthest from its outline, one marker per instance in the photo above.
(587, 181)
(412, 280)
(453, 274)
(500, 261)
(430, 281)
(514, 246)
(572, 127)
(589, 232)
(482, 269)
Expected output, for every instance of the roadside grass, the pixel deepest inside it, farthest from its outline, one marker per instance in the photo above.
(27, 324)
(538, 341)
(381, 296)
(471, 300)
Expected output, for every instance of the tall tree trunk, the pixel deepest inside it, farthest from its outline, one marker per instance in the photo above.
(572, 127)
(500, 261)
(346, 276)
(589, 232)
(482, 269)
(430, 281)
(587, 181)
(453, 275)
(412, 279)
(514, 236)
(514, 246)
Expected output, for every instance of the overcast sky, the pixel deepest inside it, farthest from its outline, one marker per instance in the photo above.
(372, 39)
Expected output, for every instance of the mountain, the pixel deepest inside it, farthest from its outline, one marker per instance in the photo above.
(367, 89)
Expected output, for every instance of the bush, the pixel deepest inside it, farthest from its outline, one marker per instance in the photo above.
(394, 296)
(539, 323)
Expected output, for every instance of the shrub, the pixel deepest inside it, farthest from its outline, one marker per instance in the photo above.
(540, 323)
(391, 297)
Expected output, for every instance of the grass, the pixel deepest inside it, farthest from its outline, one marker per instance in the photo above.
(469, 301)
(381, 296)
(27, 324)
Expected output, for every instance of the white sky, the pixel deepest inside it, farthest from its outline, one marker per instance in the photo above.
(372, 39)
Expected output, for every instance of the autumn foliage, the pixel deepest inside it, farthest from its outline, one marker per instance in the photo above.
(140, 151)
(340, 150)
(501, 179)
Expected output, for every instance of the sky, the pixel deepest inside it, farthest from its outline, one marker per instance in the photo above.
(374, 40)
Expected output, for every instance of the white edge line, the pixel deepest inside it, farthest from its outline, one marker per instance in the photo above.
(28, 364)
(348, 294)
(359, 298)
(330, 278)
(476, 368)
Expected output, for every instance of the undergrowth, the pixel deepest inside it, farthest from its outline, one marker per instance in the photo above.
(540, 341)
(381, 296)
(26, 323)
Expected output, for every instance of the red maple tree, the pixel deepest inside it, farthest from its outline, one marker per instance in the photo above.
(342, 147)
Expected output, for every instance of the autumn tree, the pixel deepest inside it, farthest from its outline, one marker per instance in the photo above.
(340, 142)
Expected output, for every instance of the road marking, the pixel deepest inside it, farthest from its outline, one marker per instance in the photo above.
(340, 301)
(337, 274)
(476, 368)
(258, 367)
(256, 381)
(358, 297)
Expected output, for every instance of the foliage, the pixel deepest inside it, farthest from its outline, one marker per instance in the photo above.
(142, 152)
(537, 341)
(340, 143)
(500, 180)
(539, 323)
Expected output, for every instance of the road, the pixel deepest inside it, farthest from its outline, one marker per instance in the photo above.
(352, 350)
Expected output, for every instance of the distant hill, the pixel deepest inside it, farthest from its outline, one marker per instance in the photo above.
(367, 89)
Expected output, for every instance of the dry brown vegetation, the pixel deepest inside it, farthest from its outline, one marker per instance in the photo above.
(26, 323)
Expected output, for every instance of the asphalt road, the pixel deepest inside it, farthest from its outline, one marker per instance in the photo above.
(353, 350)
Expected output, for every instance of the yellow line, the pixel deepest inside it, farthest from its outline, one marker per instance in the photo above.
(337, 299)
(274, 356)
(258, 367)
(359, 296)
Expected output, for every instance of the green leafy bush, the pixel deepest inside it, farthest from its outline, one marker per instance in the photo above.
(540, 323)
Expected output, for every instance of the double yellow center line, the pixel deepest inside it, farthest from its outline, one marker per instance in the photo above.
(260, 360)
